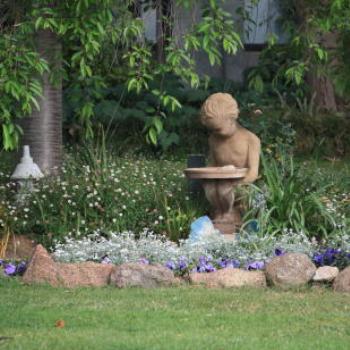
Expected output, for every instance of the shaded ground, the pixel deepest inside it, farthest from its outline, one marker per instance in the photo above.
(178, 318)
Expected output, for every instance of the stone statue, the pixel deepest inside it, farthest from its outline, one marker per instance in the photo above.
(232, 149)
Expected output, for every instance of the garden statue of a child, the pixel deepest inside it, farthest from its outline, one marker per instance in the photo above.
(230, 146)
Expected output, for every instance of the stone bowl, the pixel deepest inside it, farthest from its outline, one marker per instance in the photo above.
(225, 172)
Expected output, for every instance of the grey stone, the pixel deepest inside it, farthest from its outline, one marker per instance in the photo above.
(142, 275)
(291, 269)
(229, 278)
(326, 274)
(342, 281)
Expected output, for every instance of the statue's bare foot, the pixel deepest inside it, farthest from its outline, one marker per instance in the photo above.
(227, 217)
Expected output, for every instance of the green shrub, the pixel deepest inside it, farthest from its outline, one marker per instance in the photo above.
(97, 190)
(287, 198)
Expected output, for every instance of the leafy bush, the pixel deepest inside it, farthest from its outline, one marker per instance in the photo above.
(288, 198)
(98, 191)
(322, 134)
(128, 117)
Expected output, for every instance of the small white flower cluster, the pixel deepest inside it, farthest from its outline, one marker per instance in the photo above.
(125, 247)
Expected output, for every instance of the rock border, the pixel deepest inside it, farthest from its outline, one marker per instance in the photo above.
(287, 271)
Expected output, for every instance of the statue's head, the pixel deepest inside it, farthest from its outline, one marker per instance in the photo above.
(219, 113)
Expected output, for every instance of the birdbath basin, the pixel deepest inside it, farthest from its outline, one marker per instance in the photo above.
(219, 184)
(216, 173)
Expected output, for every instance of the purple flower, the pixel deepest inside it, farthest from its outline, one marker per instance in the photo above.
(231, 263)
(182, 264)
(10, 269)
(21, 267)
(1, 262)
(170, 265)
(279, 251)
(209, 268)
(222, 263)
(201, 268)
(202, 260)
(328, 257)
(106, 260)
(256, 265)
(318, 259)
(144, 261)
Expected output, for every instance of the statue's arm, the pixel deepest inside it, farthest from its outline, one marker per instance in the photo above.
(253, 160)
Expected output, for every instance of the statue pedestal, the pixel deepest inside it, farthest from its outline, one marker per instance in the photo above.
(219, 184)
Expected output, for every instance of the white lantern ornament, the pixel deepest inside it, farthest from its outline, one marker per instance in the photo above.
(26, 171)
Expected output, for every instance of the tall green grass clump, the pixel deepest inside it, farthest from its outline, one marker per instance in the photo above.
(288, 198)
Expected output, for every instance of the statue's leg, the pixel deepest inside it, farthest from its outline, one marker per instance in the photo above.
(211, 192)
(226, 196)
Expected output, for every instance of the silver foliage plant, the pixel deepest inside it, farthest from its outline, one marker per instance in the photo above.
(125, 247)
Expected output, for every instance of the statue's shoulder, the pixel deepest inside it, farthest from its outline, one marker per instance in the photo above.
(249, 135)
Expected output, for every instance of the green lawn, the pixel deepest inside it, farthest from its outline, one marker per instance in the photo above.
(178, 318)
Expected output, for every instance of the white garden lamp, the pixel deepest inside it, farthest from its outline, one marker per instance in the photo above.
(26, 171)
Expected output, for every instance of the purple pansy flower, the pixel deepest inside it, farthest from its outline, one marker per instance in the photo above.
(201, 268)
(10, 269)
(202, 260)
(182, 264)
(106, 260)
(230, 263)
(170, 265)
(256, 265)
(222, 263)
(209, 268)
(318, 259)
(279, 251)
(328, 257)
(21, 267)
(144, 261)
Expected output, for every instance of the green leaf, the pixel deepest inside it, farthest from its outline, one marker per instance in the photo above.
(158, 124)
(152, 133)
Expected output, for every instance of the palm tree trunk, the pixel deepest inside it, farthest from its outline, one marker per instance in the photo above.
(43, 129)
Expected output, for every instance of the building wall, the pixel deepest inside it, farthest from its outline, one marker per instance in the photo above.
(265, 14)
(232, 67)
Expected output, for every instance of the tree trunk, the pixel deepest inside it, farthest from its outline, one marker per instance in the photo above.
(159, 31)
(43, 129)
(322, 86)
(323, 90)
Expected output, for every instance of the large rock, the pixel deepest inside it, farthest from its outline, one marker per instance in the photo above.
(326, 274)
(84, 274)
(291, 269)
(229, 278)
(142, 275)
(342, 281)
(43, 269)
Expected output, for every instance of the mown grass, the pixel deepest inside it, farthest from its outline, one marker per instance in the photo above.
(178, 318)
